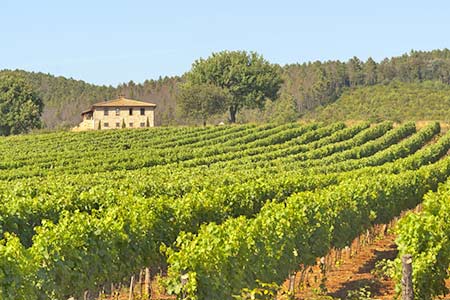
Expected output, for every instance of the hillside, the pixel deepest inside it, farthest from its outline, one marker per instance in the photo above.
(396, 101)
(224, 206)
(64, 98)
(310, 84)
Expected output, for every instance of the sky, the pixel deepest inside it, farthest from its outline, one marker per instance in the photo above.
(111, 42)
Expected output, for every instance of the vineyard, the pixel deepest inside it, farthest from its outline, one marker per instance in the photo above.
(216, 210)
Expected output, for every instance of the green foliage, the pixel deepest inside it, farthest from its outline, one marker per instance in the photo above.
(283, 110)
(228, 257)
(426, 236)
(16, 271)
(316, 84)
(363, 293)
(201, 101)
(247, 77)
(20, 107)
(264, 291)
(65, 98)
(395, 101)
(384, 269)
(311, 84)
(230, 206)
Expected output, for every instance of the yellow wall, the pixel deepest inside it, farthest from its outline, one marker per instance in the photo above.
(124, 114)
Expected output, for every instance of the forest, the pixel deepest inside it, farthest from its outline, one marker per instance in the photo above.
(306, 87)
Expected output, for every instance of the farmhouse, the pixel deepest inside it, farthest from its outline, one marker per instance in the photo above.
(118, 113)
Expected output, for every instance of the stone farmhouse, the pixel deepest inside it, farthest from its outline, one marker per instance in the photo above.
(118, 113)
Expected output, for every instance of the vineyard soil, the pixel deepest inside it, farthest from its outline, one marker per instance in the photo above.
(355, 272)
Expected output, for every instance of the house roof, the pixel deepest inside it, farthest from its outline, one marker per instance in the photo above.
(119, 102)
(123, 102)
(86, 111)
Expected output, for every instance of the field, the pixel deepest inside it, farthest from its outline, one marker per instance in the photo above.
(218, 211)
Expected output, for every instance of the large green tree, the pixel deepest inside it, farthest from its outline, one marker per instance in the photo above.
(248, 78)
(20, 106)
(200, 101)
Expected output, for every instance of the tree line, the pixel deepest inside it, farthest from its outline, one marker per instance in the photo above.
(302, 88)
(318, 83)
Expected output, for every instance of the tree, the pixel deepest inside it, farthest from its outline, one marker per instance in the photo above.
(284, 110)
(20, 106)
(200, 101)
(321, 89)
(247, 77)
(355, 71)
(370, 72)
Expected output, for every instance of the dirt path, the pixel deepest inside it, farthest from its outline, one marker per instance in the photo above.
(354, 273)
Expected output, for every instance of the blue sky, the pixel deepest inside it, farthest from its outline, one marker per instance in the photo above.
(109, 42)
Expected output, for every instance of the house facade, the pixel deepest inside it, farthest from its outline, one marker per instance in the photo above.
(118, 113)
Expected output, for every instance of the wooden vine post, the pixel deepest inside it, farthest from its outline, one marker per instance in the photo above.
(141, 281)
(184, 281)
(131, 295)
(147, 284)
(292, 282)
(407, 284)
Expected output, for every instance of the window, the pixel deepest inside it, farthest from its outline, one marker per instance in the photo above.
(131, 111)
(142, 111)
(142, 124)
(117, 124)
(106, 124)
(117, 111)
(105, 112)
(131, 124)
